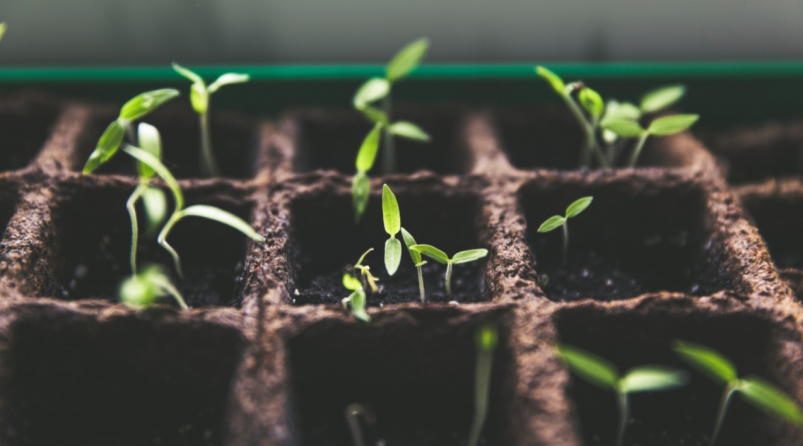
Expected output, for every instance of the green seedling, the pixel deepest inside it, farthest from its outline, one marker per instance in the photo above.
(353, 414)
(392, 220)
(557, 221)
(368, 279)
(486, 340)
(663, 126)
(605, 375)
(134, 109)
(441, 257)
(199, 97)
(357, 297)
(141, 290)
(409, 242)
(755, 391)
(2, 30)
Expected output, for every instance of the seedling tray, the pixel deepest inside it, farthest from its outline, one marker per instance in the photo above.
(267, 356)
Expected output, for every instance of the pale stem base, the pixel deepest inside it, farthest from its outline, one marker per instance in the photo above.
(421, 285)
(565, 243)
(482, 387)
(624, 415)
(637, 151)
(208, 162)
(449, 278)
(723, 408)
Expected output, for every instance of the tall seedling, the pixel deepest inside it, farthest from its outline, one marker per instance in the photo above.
(664, 126)
(419, 263)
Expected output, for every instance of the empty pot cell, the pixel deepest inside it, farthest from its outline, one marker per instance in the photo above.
(331, 140)
(418, 380)
(634, 238)
(685, 415)
(326, 242)
(551, 138)
(8, 202)
(233, 143)
(71, 380)
(94, 233)
(25, 125)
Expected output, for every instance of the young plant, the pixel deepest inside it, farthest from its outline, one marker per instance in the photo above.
(353, 414)
(392, 220)
(663, 126)
(409, 242)
(141, 290)
(557, 221)
(486, 340)
(2, 30)
(441, 257)
(134, 109)
(357, 297)
(199, 97)
(368, 279)
(755, 391)
(605, 375)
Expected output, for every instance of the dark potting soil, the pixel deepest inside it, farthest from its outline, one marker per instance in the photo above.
(25, 123)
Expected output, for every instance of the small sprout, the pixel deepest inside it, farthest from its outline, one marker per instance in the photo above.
(605, 375)
(441, 257)
(368, 279)
(409, 242)
(141, 290)
(199, 97)
(755, 390)
(661, 98)
(392, 220)
(357, 297)
(2, 30)
(353, 414)
(134, 109)
(486, 340)
(664, 126)
(557, 221)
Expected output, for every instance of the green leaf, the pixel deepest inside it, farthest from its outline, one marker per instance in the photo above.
(390, 211)
(487, 337)
(469, 256)
(371, 91)
(771, 400)
(393, 253)
(552, 223)
(408, 130)
(155, 203)
(623, 127)
(578, 206)
(199, 97)
(360, 192)
(151, 142)
(225, 217)
(707, 360)
(554, 80)
(652, 378)
(163, 172)
(358, 305)
(591, 101)
(669, 125)
(107, 146)
(662, 98)
(375, 115)
(621, 110)
(408, 242)
(228, 79)
(590, 367)
(2, 30)
(145, 103)
(432, 252)
(406, 59)
(351, 283)
(189, 74)
(367, 154)
(362, 257)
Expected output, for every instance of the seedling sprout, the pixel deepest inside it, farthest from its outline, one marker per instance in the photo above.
(392, 220)
(199, 97)
(353, 414)
(441, 257)
(356, 299)
(755, 391)
(368, 279)
(141, 290)
(557, 221)
(663, 126)
(409, 242)
(605, 375)
(486, 339)
(2, 30)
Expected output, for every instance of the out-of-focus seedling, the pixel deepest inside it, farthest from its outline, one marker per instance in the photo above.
(663, 126)
(2, 30)
(486, 339)
(441, 257)
(392, 220)
(368, 279)
(661, 98)
(356, 299)
(409, 242)
(353, 414)
(557, 221)
(134, 109)
(755, 391)
(141, 290)
(199, 97)
(605, 375)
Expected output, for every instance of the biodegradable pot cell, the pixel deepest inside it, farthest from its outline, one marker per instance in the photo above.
(26, 119)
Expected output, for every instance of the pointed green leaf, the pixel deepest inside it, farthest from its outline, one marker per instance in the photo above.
(432, 252)
(653, 378)
(358, 299)
(360, 192)
(371, 91)
(221, 216)
(708, 361)
(591, 101)
(662, 98)
(669, 125)
(351, 283)
(154, 201)
(621, 110)
(189, 74)
(393, 253)
(771, 400)
(151, 142)
(228, 79)
(578, 206)
(367, 154)
(589, 366)
(390, 211)
(107, 146)
(469, 256)
(160, 169)
(408, 242)
(623, 127)
(145, 103)
(552, 223)
(554, 80)
(408, 130)
(406, 59)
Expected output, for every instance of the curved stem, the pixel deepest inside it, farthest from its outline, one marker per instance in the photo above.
(389, 151)
(565, 242)
(449, 278)
(723, 408)
(208, 162)
(624, 414)
(162, 240)
(132, 214)
(640, 145)
(591, 138)
(421, 285)
(167, 286)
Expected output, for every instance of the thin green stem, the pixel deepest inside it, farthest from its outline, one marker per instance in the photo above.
(389, 152)
(624, 414)
(723, 408)
(162, 240)
(167, 286)
(132, 214)
(449, 278)
(565, 242)
(421, 285)
(637, 151)
(591, 145)
(208, 162)
(482, 389)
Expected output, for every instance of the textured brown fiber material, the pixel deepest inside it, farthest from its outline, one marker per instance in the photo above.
(268, 356)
